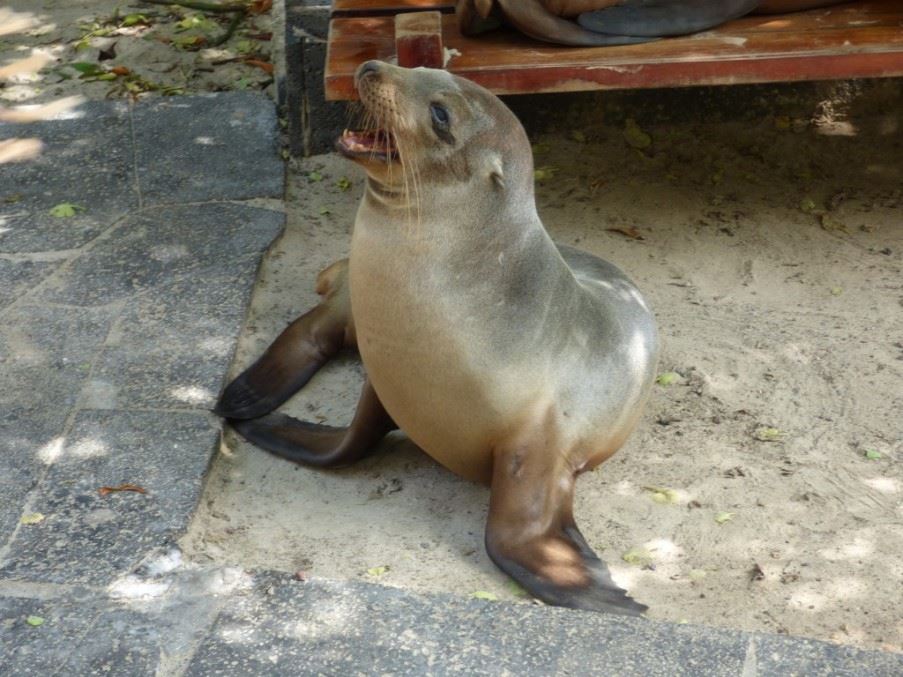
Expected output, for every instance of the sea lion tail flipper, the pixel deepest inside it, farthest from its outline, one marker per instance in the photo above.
(531, 535)
(320, 445)
(296, 354)
(661, 18)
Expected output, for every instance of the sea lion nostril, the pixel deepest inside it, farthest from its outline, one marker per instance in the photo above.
(366, 68)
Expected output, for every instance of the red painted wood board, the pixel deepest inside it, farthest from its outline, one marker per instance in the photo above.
(861, 39)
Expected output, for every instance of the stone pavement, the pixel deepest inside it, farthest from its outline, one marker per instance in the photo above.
(117, 326)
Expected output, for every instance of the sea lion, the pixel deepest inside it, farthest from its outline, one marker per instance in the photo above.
(510, 360)
(614, 22)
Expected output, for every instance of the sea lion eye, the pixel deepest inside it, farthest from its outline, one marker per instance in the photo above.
(440, 115)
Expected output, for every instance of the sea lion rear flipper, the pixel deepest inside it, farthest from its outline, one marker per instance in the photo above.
(531, 18)
(320, 445)
(660, 18)
(531, 535)
(296, 354)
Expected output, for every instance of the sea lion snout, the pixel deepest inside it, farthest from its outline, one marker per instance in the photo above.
(368, 68)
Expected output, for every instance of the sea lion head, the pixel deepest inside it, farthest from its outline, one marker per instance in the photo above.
(433, 130)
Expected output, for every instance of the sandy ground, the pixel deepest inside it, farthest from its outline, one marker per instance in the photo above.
(762, 489)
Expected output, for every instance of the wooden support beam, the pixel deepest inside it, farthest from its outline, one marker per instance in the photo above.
(418, 40)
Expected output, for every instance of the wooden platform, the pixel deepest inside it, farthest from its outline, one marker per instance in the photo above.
(859, 39)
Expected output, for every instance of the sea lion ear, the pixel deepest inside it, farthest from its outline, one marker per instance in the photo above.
(497, 172)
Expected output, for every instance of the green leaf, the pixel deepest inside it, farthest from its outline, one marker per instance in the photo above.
(723, 517)
(376, 572)
(65, 210)
(87, 69)
(769, 434)
(32, 518)
(635, 136)
(34, 621)
(872, 454)
(314, 176)
(662, 494)
(325, 211)
(578, 136)
(343, 184)
(134, 19)
(515, 589)
(637, 556)
(668, 378)
(543, 173)
(482, 594)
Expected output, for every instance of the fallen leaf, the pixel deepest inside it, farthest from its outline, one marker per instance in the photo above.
(300, 575)
(543, 173)
(120, 70)
(830, 224)
(34, 621)
(637, 557)
(343, 184)
(836, 291)
(628, 231)
(103, 491)
(325, 211)
(769, 434)
(376, 572)
(32, 518)
(662, 494)
(635, 136)
(697, 574)
(260, 6)
(65, 210)
(134, 20)
(577, 135)
(87, 69)
(668, 378)
(807, 205)
(262, 65)
(872, 454)
(314, 176)
(515, 589)
(723, 517)
(482, 594)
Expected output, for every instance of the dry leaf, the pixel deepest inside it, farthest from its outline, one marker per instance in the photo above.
(262, 65)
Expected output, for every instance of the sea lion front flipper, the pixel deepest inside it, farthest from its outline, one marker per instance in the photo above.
(296, 354)
(531, 535)
(320, 445)
(661, 18)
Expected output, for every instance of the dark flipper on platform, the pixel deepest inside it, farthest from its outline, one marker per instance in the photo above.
(531, 18)
(661, 18)
(531, 534)
(320, 445)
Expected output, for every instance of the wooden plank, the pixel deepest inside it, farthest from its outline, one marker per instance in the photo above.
(418, 39)
(862, 39)
(377, 7)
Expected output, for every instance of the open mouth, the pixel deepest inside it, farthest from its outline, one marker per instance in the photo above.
(376, 144)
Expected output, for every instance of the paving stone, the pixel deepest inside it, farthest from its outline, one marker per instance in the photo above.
(355, 628)
(150, 250)
(18, 277)
(89, 538)
(207, 147)
(172, 348)
(81, 634)
(87, 161)
(45, 356)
